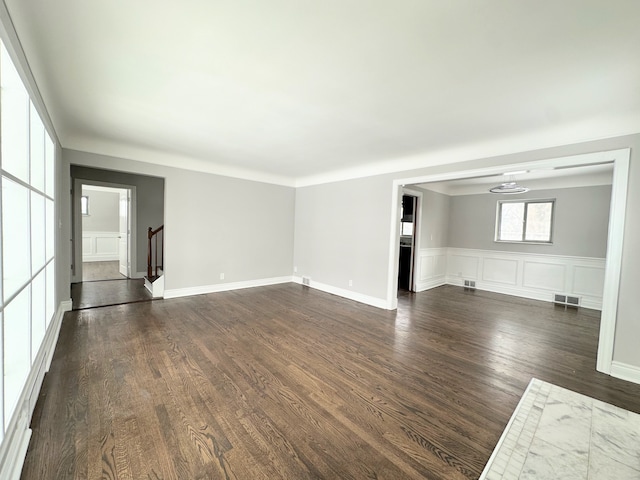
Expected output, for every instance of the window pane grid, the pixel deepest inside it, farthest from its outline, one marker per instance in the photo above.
(528, 221)
(27, 222)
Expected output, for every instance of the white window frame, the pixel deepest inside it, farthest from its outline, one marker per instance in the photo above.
(524, 227)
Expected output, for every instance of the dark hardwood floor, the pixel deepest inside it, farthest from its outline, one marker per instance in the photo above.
(288, 382)
(108, 292)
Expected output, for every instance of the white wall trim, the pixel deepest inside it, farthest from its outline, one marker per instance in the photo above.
(100, 246)
(617, 212)
(431, 268)
(14, 447)
(223, 287)
(156, 289)
(349, 294)
(526, 275)
(529, 275)
(624, 371)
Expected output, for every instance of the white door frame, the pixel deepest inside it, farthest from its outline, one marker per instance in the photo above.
(620, 160)
(124, 228)
(76, 241)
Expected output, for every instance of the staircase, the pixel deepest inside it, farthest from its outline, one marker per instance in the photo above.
(154, 280)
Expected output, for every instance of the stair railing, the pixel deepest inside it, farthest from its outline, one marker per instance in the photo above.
(152, 251)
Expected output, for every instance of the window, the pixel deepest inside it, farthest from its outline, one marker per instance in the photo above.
(27, 225)
(84, 205)
(528, 221)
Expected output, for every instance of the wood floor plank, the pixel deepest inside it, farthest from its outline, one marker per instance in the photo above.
(291, 383)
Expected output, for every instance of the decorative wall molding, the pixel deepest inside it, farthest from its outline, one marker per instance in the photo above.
(521, 274)
(431, 268)
(624, 371)
(350, 294)
(529, 275)
(100, 246)
(223, 287)
(14, 447)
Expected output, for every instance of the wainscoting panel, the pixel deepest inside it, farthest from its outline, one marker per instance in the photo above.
(528, 275)
(544, 275)
(588, 281)
(432, 268)
(464, 265)
(500, 270)
(100, 246)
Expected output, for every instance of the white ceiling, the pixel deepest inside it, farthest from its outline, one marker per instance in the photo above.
(288, 91)
(541, 179)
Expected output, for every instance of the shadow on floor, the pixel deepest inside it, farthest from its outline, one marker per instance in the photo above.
(108, 292)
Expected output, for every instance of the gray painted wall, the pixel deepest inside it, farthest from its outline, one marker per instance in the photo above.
(434, 221)
(149, 197)
(342, 234)
(580, 227)
(213, 224)
(104, 211)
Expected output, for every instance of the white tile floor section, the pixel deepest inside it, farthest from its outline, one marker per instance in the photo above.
(559, 434)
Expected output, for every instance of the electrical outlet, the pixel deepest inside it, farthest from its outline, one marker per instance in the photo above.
(222, 276)
(351, 283)
(295, 269)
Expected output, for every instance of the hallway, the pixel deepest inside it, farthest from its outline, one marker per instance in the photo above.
(108, 292)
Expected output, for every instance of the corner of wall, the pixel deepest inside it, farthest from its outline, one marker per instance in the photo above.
(624, 371)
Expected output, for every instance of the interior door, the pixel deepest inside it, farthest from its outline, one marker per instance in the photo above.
(123, 243)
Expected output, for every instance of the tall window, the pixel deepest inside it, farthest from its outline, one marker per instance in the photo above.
(528, 221)
(27, 267)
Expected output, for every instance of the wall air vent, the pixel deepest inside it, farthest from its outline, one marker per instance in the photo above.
(306, 281)
(557, 298)
(566, 300)
(469, 284)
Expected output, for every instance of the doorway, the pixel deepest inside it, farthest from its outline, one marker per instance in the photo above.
(408, 244)
(103, 246)
(106, 227)
(619, 159)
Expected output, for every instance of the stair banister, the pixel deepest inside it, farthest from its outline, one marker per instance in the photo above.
(152, 256)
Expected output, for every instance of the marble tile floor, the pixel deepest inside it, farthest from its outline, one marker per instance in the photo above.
(555, 433)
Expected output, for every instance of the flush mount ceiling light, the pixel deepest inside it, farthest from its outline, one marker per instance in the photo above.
(510, 187)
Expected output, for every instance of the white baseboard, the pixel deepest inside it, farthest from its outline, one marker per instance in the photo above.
(521, 292)
(528, 275)
(100, 258)
(431, 283)
(13, 448)
(351, 295)
(156, 289)
(223, 287)
(624, 371)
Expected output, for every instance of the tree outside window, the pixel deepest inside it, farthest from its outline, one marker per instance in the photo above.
(528, 221)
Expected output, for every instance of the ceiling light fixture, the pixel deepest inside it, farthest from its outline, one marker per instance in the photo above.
(510, 187)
